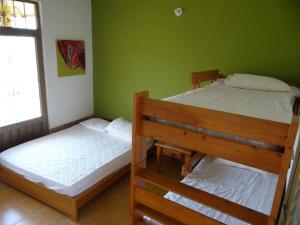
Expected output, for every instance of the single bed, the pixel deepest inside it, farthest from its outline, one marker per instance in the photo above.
(251, 188)
(251, 127)
(267, 105)
(70, 164)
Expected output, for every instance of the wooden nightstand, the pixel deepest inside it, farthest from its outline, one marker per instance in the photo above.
(178, 153)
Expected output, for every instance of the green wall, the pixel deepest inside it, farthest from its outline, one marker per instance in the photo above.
(142, 45)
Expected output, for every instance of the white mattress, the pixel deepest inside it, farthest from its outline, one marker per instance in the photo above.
(246, 187)
(275, 106)
(69, 161)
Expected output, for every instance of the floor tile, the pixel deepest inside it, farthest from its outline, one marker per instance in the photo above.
(49, 214)
(32, 221)
(29, 204)
(11, 215)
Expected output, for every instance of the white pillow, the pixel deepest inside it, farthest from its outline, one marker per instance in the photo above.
(241, 166)
(120, 128)
(95, 124)
(255, 82)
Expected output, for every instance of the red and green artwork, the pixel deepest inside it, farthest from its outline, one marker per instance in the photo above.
(70, 57)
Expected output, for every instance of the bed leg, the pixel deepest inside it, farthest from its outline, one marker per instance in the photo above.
(74, 217)
(74, 213)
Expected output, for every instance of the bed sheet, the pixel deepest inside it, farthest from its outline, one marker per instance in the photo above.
(69, 161)
(246, 187)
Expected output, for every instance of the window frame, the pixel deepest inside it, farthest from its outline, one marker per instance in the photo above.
(37, 34)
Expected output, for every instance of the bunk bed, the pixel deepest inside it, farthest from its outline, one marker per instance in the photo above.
(269, 148)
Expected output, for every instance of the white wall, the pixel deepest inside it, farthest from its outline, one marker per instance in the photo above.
(68, 98)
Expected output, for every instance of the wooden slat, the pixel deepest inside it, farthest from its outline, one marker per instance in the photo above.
(157, 216)
(238, 125)
(220, 204)
(252, 156)
(171, 209)
(284, 170)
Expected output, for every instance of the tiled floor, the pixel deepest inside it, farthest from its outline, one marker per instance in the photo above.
(109, 208)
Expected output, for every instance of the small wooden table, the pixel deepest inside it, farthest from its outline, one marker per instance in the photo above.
(174, 152)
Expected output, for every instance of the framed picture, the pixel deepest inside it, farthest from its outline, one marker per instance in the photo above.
(70, 57)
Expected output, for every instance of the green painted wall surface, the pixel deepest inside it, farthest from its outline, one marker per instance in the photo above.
(142, 45)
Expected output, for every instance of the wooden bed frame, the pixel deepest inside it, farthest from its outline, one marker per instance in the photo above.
(145, 202)
(67, 205)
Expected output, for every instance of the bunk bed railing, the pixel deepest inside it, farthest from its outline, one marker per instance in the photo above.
(241, 153)
(144, 202)
(243, 126)
(205, 198)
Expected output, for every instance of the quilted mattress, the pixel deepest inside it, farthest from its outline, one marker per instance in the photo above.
(69, 161)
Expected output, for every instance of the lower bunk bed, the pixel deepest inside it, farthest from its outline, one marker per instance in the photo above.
(249, 137)
(254, 189)
(67, 169)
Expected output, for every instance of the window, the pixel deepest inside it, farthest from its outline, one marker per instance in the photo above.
(18, 14)
(19, 87)
(22, 94)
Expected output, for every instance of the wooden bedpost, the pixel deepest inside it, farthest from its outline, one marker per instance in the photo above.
(139, 151)
(209, 75)
(285, 164)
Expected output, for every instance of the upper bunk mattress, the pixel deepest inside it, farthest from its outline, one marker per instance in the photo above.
(251, 188)
(269, 105)
(69, 161)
